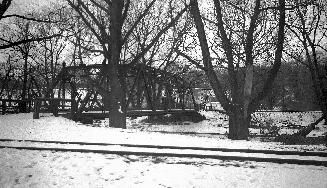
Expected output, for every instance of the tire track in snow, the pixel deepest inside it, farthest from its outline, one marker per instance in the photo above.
(274, 156)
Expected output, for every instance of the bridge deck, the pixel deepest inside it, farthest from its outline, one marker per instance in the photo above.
(138, 113)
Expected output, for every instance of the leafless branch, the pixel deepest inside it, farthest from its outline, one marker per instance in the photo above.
(13, 44)
(31, 19)
(190, 59)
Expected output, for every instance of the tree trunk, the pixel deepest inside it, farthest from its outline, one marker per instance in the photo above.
(238, 125)
(117, 118)
(117, 115)
(248, 84)
(209, 69)
(24, 93)
(117, 110)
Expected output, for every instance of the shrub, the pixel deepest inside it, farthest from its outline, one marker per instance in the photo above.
(299, 140)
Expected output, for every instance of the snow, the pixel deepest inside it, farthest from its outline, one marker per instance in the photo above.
(218, 123)
(145, 151)
(22, 126)
(55, 169)
(24, 168)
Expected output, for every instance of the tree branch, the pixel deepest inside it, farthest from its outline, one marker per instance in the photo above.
(227, 46)
(277, 62)
(30, 19)
(126, 7)
(13, 44)
(155, 39)
(4, 7)
(190, 59)
(138, 20)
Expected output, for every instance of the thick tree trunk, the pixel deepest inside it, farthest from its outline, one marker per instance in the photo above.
(116, 100)
(247, 92)
(117, 117)
(117, 113)
(238, 125)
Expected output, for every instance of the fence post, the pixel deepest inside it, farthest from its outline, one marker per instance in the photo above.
(29, 105)
(37, 106)
(73, 108)
(64, 84)
(3, 107)
(55, 108)
(210, 107)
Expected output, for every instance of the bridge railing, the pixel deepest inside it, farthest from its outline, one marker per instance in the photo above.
(53, 105)
(15, 105)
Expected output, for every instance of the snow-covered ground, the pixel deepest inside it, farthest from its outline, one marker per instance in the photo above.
(218, 123)
(53, 169)
(22, 168)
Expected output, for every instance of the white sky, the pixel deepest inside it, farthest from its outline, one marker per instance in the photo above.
(23, 6)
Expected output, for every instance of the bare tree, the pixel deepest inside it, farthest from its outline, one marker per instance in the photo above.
(25, 35)
(242, 32)
(308, 46)
(108, 23)
(4, 6)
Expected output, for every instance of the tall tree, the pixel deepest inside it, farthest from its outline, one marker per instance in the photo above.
(20, 35)
(307, 25)
(240, 101)
(108, 22)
